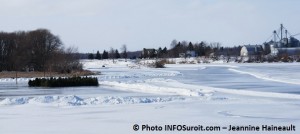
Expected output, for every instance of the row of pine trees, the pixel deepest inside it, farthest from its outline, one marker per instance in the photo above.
(106, 55)
(111, 54)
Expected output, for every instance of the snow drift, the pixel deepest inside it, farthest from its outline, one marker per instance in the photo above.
(73, 100)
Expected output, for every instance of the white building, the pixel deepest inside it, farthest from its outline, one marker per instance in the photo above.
(251, 50)
(191, 54)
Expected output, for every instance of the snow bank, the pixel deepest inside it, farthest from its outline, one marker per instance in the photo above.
(173, 87)
(14, 101)
(258, 93)
(130, 100)
(158, 86)
(135, 74)
(73, 100)
(88, 64)
(14, 80)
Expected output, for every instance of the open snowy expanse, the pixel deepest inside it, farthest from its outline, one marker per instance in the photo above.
(209, 95)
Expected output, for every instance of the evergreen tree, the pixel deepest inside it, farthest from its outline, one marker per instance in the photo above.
(152, 54)
(98, 56)
(105, 55)
(159, 52)
(165, 50)
(176, 50)
(191, 47)
(144, 53)
(91, 56)
(117, 54)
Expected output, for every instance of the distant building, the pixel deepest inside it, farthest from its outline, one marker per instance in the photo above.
(292, 51)
(188, 54)
(182, 55)
(149, 53)
(191, 54)
(288, 51)
(251, 50)
(293, 42)
(288, 47)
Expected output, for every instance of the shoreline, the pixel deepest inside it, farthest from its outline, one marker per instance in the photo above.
(12, 74)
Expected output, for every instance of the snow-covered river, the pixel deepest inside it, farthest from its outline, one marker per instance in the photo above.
(206, 94)
(268, 78)
(255, 78)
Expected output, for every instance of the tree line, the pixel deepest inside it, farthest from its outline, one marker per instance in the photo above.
(212, 50)
(37, 50)
(111, 54)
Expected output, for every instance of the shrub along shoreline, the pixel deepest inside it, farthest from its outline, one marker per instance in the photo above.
(64, 82)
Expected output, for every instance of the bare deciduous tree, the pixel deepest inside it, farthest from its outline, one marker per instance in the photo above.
(37, 50)
(112, 54)
(124, 51)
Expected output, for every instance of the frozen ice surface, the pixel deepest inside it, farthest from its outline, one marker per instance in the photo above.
(129, 93)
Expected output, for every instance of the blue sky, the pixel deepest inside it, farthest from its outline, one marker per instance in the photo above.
(93, 25)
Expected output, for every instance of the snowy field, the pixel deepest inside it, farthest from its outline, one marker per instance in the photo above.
(216, 95)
